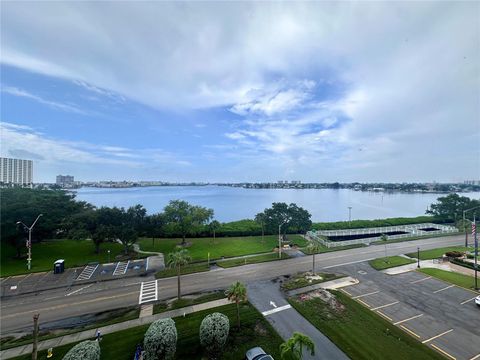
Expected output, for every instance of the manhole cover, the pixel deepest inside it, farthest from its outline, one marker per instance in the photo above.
(362, 272)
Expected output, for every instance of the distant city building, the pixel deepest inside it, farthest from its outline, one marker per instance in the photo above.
(472, 182)
(16, 171)
(65, 181)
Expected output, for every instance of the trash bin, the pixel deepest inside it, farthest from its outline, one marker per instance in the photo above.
(59, 266)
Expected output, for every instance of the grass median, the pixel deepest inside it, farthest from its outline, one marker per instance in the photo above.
(307, 279)
(187, 300)
(251, 260)
(199, 248)
(389, 262)
(187, 269)
(439, 252)
(465, 281)
(359, 332)
(255, 331)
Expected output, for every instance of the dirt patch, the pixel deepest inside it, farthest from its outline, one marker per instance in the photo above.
(326, 296)
(260, 329)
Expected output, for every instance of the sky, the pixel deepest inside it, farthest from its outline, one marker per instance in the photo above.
(242, 91)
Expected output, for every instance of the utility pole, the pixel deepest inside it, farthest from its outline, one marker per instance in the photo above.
(466, 231)
(418, 257)
(29, 244)
(35, 336)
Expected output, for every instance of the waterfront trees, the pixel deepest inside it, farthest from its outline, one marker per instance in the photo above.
(451, 207)
(290, 217)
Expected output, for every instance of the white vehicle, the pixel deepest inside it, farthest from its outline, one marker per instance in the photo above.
(257, 353)
(477, 300)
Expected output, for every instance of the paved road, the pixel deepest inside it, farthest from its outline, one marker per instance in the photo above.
(17, 312)
(267, 298)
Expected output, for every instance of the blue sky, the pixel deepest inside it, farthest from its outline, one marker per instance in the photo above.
(242, 91)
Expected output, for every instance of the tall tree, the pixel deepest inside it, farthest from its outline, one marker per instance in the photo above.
(237, 292)
(290, 217)
(260, 218)
(155, 226)
(185, 219)
(313, 248)
(176, 260)
(292, 349)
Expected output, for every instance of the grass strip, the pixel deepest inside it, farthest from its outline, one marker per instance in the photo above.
(436, 253)
(299, 281)
(359, 332)
(255, 331)
(389, 262)
(324, 249)
(188, 269)
(251, 260)
(187, 301)
(465, 281)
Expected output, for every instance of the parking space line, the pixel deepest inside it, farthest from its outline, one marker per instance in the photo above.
(436, 336)
(364, 303)
(411, 318)
(385, 316)
(445, 288)
(359, 296)
(417, 281)
(466, 301)
(384, 306)
(444, 352)
(475, 357)
(410, 331)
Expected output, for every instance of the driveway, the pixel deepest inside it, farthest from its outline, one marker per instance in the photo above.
(268, 299)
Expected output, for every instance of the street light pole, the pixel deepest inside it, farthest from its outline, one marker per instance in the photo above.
(418, 258)
(280, 240)
(475, 253)
(349, 215)
(29, 245)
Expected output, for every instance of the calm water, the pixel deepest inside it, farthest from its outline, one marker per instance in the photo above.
(237, 203)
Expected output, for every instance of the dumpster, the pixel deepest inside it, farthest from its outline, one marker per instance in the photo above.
(59, 266)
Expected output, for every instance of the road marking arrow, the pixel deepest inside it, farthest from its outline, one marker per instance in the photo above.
(273, 304)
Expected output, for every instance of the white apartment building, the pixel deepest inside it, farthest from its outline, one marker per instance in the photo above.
(16, 171)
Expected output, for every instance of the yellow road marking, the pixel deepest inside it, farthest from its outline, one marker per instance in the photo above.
(410, 331)
(363, 302)
(384, 306)
(444, 352)
(417, 281)
(411, 318)
(462, 303)
(436, 336)
(445, 288)
(346, 292)
(475, 357)
(385, 316)
(71, 304)
(359, 296)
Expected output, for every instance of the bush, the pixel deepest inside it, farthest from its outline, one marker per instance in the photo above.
(454, 254)
(86, 350)
(463, 263)
(214, 333)
(160, 340)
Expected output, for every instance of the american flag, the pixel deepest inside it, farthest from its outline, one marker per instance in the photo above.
(474, 229)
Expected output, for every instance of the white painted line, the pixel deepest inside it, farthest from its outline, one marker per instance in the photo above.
(148, 291)
(417, 281)
(411, 318)
(436, 336)
(116, 267)
(445, 288)
(466, 301)
(146, 266)
(83, 288)
(126, 267)
(360, 296)
(443, 352)
(384, 306)
(347, 263)
(475, 357)
(278, 309)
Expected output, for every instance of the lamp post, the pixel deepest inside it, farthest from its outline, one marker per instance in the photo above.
(418, 258)
(349, 215)
(466, 232)
(29, 244)
(108, 255)
(280, 240)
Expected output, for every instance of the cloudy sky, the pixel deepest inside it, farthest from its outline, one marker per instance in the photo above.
(316, 91)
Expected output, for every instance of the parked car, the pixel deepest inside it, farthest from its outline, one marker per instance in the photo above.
(257, 353)
(477, 300)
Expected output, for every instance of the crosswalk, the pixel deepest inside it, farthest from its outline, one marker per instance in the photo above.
(121, 268)
(148, 292)
(87, 272)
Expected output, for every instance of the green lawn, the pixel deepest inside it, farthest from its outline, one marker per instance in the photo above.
(224, 246)
(251, 260)
(187, 301)
(299, 280)
(389, 262)
(188, 269)
(255, 331)
(359, 332)
(436, 253)
(462, 280)
(104, 319)
(324, 249)
(76, 253)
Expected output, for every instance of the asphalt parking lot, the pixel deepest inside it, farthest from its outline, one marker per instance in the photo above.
(438, 314)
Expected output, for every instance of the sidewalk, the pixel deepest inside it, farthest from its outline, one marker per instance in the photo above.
(447, 266)
(90, 334)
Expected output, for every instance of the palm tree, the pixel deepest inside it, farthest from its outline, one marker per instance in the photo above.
(237, 292)
(176, 260)
(293, 347)
(313, 248)
(214, 225)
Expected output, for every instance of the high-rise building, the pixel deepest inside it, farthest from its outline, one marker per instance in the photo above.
(65, 181)
(16, 171)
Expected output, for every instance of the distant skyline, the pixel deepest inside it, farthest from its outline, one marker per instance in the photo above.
(242, 92)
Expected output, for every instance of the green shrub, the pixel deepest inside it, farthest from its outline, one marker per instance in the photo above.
(214, 333)
(86, 350)
(454, 254)
(160, 340)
